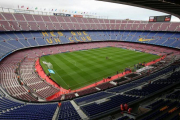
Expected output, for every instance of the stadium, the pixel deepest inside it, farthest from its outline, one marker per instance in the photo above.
(71, 67)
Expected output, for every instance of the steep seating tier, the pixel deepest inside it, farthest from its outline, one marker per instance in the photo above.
(31, 112)
(71, 23)
(67, 112)
(110, 103)
(19, 40)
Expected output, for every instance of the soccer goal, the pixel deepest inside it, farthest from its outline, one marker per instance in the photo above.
(49, 65)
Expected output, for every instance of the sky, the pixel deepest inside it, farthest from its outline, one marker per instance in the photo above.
(91, 7)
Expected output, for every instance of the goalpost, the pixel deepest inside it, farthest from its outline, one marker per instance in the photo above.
(49, 65)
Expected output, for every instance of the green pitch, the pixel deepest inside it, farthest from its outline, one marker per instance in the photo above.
(77, 69)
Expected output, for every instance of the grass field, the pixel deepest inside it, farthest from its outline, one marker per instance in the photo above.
(77, 69)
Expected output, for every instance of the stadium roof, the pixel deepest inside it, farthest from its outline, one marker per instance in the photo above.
(167, 6)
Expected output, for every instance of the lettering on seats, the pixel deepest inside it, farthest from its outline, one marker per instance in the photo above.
(141, 39)
(73, 33)
(57, 40)
(77, 39)
(70, 38)
(79, 33)
(84, 33)
(60, 33)
(49, 41)
(52, 34)
(45, 34)
(83, 38)
(88, 38)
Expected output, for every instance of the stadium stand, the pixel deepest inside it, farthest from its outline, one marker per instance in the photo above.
(33, 82)
(174, 95)
(108, 104)
(161, 113)
(155, 86)
(68, 112)
(87, 91)
(105, 86)
(91, 98)
(158, 104)
(70, 23)
(1, 93)
(23, 36)
(39, 84)
(14, 41)
(7, 104)
(30, 111)
(140, 81)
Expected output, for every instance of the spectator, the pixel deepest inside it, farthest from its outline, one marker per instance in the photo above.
(126, 106)
(129, 110)
(122, 107)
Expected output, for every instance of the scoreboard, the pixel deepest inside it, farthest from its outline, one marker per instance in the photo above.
(166, 18)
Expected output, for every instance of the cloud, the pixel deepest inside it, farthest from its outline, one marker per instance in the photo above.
(175, 19)
(106, 9)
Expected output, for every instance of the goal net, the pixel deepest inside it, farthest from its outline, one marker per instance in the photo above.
(49, 65)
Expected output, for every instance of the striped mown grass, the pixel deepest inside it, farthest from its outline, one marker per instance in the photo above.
(77, 69)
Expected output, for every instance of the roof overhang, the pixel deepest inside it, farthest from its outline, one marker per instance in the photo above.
(157, 5)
